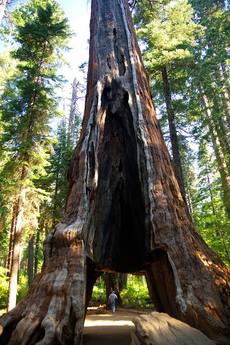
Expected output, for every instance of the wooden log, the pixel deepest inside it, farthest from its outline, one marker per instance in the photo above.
(161, 329)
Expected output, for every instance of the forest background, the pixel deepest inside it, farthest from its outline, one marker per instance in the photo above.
(185, 46)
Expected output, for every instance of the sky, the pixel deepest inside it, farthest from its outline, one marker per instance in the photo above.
(78, 14)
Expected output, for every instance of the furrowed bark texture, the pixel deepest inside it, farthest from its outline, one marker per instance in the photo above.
(125, 212)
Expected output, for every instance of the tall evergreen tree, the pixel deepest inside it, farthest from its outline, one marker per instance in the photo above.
(189, 39)
(27, 106)
(209, 83)
(169, 34)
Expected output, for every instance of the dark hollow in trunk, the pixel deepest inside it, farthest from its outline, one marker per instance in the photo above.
(119, 211)
(124, 212)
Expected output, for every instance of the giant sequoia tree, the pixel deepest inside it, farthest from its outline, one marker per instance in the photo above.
(124, 212)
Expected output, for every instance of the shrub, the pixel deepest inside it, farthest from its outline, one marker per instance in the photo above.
(4, 285)
(136, 292)
(99, 294)
(22, 287)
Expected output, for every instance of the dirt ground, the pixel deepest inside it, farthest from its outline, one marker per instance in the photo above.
(105, 328)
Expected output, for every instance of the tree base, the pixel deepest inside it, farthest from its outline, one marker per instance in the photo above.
(54, 310)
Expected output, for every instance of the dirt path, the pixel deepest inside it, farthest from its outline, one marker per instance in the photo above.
(109, 329)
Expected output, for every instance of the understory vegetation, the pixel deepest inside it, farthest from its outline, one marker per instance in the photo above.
(134, 294)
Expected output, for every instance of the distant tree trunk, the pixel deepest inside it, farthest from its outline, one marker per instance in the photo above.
(110, 284)
(56, 187)
(30, 260)
(125, 211)
(116, 282)
(73, 114)
(221, 159)
(3, 4)
(122, 281)
(40, 230)
(172, 129)
(226, 92)
(16, 248)
(189, 200)
(218, 232)
(10, 250)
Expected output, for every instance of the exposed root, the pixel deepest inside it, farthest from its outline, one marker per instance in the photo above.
(54, 310)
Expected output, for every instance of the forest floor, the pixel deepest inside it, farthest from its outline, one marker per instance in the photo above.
(105, 328)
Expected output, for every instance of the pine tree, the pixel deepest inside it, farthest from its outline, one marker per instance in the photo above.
(27, 106)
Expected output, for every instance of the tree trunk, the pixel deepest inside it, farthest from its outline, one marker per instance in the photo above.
(110, 285)
(125, 211)
(221, 162)
(30, 260)
(226, 92)
(37, 246)
(74, 112)
(172, 129)
(122, 281)
(57, 182)
(10, 251)
(218, 233)
(3, 4)
(16, 248)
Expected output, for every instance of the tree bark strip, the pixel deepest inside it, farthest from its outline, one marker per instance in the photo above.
(172, 130)
(3, 4)
(30, 267)
(16, 249)
(125, 211)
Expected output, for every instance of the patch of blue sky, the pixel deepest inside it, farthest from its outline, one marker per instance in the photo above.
(78, 14)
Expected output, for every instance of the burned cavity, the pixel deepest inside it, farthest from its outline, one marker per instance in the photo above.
(119, 241)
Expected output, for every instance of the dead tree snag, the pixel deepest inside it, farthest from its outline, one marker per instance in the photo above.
(124, 211)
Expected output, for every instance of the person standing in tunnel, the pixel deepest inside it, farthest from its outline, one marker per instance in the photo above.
(112, 301)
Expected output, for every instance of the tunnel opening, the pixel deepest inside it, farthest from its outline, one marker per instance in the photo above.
(151, 289)
(131, 289)
(102, 325)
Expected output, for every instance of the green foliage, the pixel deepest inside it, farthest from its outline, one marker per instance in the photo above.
(22, 286)
(171, 36)
(208, 210)
(136, 292)
(99, 294)
(134, 295)
(4, 284)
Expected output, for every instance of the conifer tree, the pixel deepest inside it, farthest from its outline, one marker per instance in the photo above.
(27, 106)
(167, 29)
(198, 80)
(210, 84)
